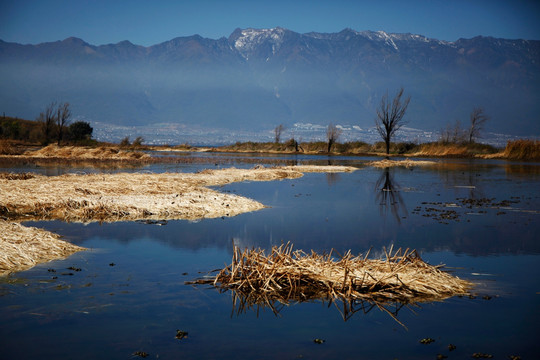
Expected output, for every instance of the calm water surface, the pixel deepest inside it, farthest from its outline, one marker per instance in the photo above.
(481, 219)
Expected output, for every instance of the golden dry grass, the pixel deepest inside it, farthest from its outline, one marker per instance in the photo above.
(287, 275)
(522, 150)
(442, 150)
(23, 247)
(113, 197)
(85, 153)
(405, 163)
(9, 147)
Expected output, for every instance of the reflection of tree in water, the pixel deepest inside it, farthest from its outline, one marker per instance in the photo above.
(389, 197)
(464, 177)
(332, 178)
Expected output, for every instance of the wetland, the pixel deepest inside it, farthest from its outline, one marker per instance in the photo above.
(130, 294)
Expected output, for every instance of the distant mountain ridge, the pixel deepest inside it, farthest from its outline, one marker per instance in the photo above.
(258, 78)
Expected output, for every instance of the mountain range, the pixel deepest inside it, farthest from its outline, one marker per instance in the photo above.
(258, 78)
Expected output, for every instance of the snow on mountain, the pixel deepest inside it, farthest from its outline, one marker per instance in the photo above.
(284, 76)
(249, 39)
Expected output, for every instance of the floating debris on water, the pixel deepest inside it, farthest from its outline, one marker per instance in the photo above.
(482, 356)
(140, 354)
(181, 334)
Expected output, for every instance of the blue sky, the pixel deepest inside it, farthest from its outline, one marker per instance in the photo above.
(147, 22)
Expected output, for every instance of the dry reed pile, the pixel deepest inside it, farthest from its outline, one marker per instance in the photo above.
(405, 163)
(23, 247)
(288, 275)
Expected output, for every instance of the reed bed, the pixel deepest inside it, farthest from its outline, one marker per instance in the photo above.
(522, 150)
(287, 275)
(85, 153)
(124, 196)
(443, 150)
(116, 197)
(23, 247)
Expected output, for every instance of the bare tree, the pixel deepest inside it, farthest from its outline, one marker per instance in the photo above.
(277, 133)
(47, 120)
(445, 134)
(453, 133)
(62, 119)
(458, 135)
(390, 116)
(478, 118)
(332, 135)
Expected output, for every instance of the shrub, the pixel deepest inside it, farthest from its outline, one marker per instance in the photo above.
(125, 142)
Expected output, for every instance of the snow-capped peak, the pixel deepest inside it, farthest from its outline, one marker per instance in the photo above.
(381, 36)
(248, 39)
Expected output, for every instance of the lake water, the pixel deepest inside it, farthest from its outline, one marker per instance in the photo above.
(480, 218)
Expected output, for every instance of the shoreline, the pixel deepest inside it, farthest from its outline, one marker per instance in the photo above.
(118, 197)
(520, 150)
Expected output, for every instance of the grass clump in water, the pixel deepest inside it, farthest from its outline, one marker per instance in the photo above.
(287, 275)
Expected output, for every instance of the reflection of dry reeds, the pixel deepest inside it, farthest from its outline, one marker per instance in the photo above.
(288, 275)
(23, 247)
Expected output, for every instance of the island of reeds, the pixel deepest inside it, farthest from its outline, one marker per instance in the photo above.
(287, 276)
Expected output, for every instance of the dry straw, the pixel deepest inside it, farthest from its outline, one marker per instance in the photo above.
(288, 275)
(23, 247)
(115, 197)
(404, 163)
(79, 152)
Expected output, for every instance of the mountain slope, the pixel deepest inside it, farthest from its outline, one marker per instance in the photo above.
(258, 78)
